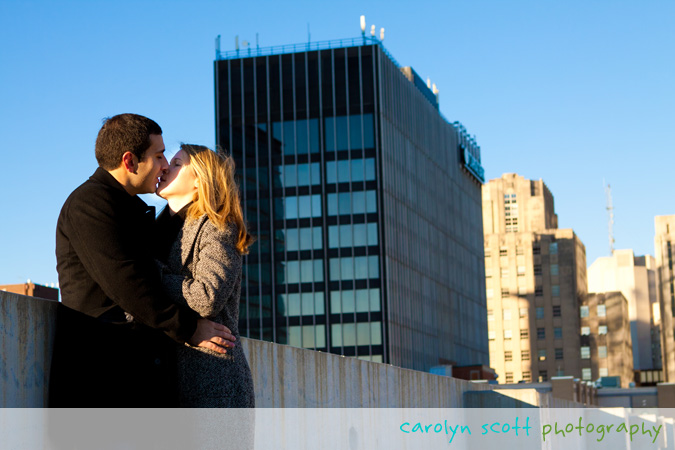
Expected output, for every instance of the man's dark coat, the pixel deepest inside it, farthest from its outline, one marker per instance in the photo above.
(106, 270)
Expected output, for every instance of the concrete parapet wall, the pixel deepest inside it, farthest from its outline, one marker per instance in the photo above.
(289, 377)
(284, 377)
(26, 336)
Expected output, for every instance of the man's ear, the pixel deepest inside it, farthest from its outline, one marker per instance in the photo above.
(130, 162)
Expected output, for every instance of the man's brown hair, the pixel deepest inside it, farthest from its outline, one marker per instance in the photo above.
(124, 133)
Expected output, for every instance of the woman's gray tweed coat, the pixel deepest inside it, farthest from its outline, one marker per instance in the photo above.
(204, 271)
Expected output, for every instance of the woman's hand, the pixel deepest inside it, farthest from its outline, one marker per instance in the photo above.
(213, 336)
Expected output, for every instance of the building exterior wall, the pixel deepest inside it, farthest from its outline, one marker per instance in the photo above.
(369, 240)
(32, 290)
(606, 351)
(664, 246)
(535, 281)
(432, 233)
(634, 278)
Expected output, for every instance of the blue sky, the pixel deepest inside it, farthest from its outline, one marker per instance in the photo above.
(572, 92)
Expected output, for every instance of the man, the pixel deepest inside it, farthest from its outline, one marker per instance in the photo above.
(111, 347)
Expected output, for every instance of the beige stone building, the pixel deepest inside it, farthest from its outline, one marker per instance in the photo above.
(606, 345)
(535, 282)
(664, 247)
(635, 277)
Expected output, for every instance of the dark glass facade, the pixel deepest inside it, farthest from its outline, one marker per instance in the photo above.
(344, 262)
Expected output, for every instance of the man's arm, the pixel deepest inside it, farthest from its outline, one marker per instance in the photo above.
(117, 261)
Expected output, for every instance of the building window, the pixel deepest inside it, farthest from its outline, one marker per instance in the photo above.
(357, 235)
(508, 356)
(519, 251)
(583, 311)
(522, 312)
(522, 290)
(557, 333)
(355, 301)
(301, 207)
(504, 272)
(492, 335)
(602, 351)
(541, 333)
(554, 270)
(603, 372)
(524, 333)
(509, 377)
(488, 252)
(300, 134)
(489, 293)
(525, 355)
(553, 248)
(507, 314)
(586, 374)
(298, 175)
(602, 311)
(301, 238)
(538, 291)
(558, 353)
(537, 269)
(488, 272)
(555, 290)
(304, 304)
(541, 354)
(543, 376)
(536, 250)
(585, 353)
(539, 310)
(307, 336)
(505, 292)
(356, 268)
(338, 138)
(556, 310)
(358, 169)
(602, 329)
(344, 203)
(585, 331)
(507, 335)
(307, 271)
(361, 333)
(527, 376)
(503, 251)
(490, 315)
(521, 271)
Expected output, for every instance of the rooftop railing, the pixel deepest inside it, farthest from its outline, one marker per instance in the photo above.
(251, 52)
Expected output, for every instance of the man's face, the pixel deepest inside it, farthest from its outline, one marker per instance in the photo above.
(152, 166)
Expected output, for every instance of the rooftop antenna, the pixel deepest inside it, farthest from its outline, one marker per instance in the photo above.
(429, 82)
(257, 42)
(610, 218)
(236, 43)
(363, 26)
(372, 30)
(309, 35)
(217, 46)
(382, 34)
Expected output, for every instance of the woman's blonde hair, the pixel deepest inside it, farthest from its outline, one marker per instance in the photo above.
(217, 192)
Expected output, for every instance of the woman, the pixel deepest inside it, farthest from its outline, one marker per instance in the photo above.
(202, 239)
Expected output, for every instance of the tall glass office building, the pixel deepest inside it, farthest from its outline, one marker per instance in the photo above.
(365, 201)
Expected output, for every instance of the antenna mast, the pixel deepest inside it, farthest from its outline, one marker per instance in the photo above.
(610, 218)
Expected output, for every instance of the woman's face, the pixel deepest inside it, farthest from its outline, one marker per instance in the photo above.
(180, 180)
